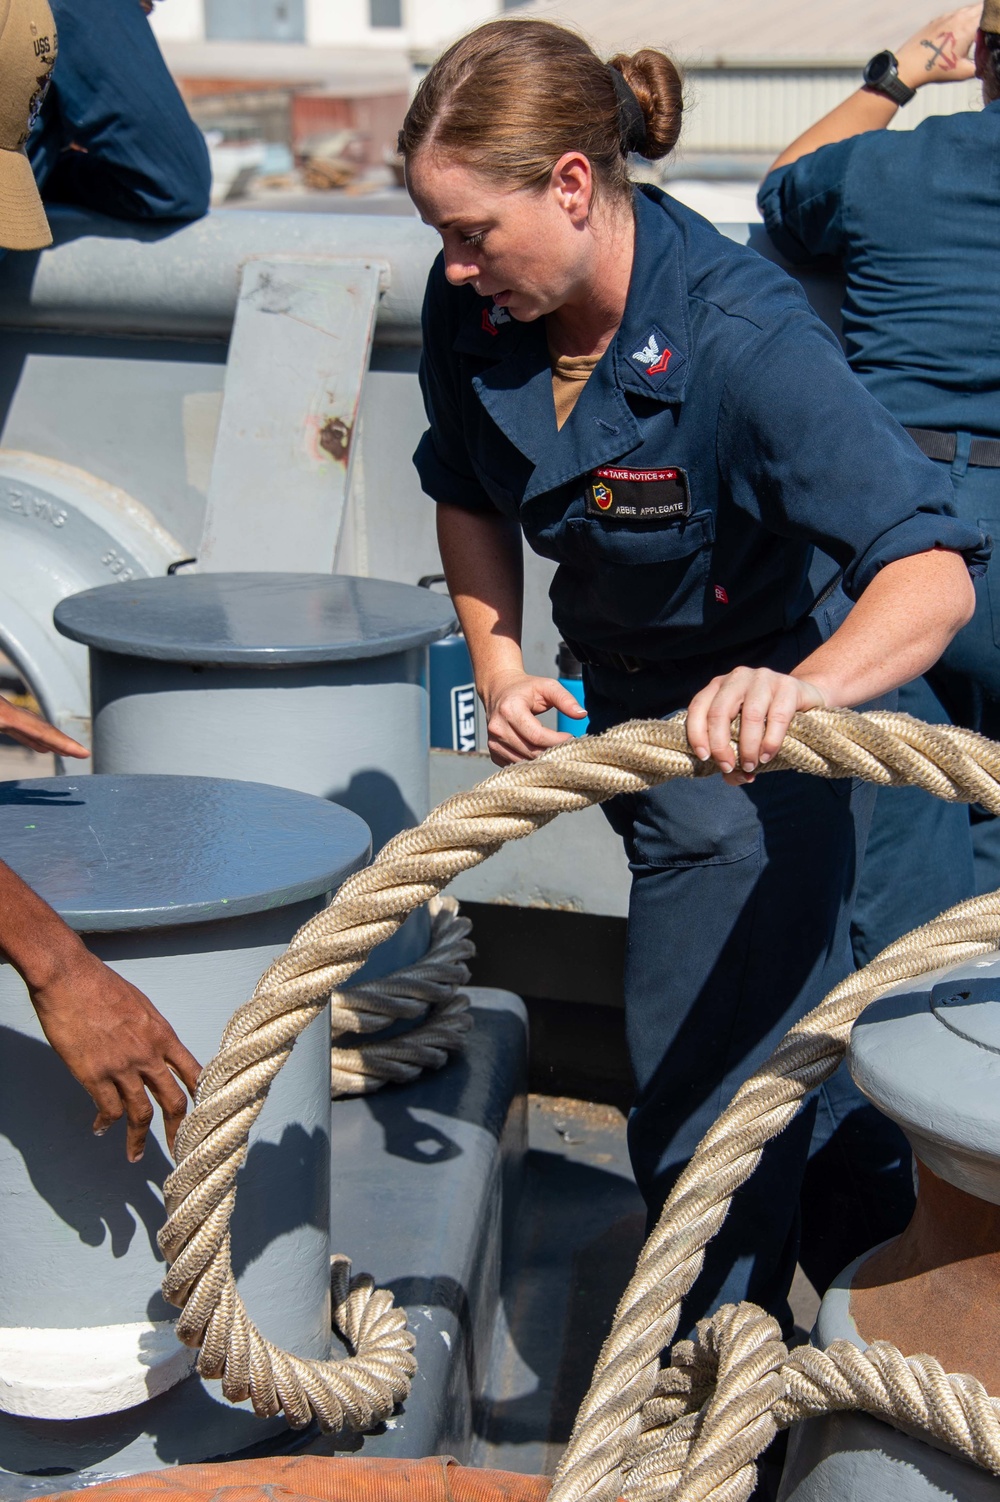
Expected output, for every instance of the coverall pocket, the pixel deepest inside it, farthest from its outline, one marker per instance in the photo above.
(683, 824)
(632, 544)
(642, 576)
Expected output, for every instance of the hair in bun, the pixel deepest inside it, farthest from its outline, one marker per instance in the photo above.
(512, 97)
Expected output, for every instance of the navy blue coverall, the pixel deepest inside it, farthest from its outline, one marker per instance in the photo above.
(914, 218)
(720, 439)
(114, 134)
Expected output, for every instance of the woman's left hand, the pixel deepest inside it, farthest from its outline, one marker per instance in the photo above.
(765, 702)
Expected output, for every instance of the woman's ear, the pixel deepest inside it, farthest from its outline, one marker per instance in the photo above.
(572, 184)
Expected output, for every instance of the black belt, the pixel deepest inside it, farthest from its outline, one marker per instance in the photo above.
(621, 662)
(983, 452)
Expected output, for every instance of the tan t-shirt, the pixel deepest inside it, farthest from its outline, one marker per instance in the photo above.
(570, 373)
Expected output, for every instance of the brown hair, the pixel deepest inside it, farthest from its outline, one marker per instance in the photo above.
(511, 97)
(991, 66)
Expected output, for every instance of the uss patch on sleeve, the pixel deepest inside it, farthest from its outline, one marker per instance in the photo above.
(638, 495)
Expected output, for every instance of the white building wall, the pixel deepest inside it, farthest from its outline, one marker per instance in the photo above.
(344, 23)
(180, 21)
(427, 24)
(737, 109)
(747, 111)
(433, 23)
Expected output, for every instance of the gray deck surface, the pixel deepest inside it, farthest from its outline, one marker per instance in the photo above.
(577, 1236)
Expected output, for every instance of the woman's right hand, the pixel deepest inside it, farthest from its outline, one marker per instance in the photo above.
(513, 702)
(939, 52)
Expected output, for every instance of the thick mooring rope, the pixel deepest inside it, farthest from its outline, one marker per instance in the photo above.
(611, 1439)
(626, 1440)
(427, 993)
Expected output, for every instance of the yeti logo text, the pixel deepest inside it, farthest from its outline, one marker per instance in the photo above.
(650, 356)
(463, 717)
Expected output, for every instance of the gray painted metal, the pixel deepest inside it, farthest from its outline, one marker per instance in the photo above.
(307, 681)
(60, 531)
(928, 1055)
(118, 853)
(849, 1457)
(139, 279)
(257, 620)
(426, 1182)
(284, 454)
(79, 1223)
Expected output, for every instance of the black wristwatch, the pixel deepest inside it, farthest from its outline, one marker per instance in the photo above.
(882, 74)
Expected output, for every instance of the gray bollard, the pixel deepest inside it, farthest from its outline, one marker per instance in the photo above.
(310, 681)
(189, 887)
(927, 1053)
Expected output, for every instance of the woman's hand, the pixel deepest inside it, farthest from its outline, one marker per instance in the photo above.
(513, 701)
(765, 702)
(939, 52)
(37, 734)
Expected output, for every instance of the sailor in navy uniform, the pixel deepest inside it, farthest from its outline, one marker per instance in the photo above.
(913, 216)
(717, 442)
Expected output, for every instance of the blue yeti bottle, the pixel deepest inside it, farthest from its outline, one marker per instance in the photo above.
(571, 678)
(452, 689)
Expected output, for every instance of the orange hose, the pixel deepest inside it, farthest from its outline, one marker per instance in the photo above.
(314, 1478)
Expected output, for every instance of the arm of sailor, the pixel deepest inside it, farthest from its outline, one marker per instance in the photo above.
(900, 626)
(37, 734)
(481, 552)
(803, 205)
(109, 1035)
(482, 558)
(809, 453)
(114, 134)
(937, 53)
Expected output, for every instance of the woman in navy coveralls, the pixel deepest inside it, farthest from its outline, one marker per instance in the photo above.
(657, 409)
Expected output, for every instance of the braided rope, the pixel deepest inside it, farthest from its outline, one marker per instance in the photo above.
(889, 749)
(728, 1392)
(429, 989)
(611, 1418)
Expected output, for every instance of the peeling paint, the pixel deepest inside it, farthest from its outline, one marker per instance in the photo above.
(335, 437)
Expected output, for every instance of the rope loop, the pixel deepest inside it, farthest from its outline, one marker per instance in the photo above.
(609, 1440)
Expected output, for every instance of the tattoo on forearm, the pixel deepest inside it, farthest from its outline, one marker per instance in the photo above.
(944, 52)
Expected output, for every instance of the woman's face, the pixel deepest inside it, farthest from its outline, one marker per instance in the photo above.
(528, 249)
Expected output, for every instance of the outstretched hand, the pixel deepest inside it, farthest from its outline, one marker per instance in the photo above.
(513, 703)
(114, 1041)
(35, 733)
(765, 702)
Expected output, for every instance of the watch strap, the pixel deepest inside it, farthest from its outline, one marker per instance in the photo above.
(891, 85)
(895, 89)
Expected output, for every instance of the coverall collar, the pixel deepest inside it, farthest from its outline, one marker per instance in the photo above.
(647, 357)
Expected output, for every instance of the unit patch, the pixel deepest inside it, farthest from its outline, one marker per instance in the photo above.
(638, 495)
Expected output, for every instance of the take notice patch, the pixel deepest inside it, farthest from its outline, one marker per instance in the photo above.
(638, 495)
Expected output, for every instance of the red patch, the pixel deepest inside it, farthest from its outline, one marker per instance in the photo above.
(487, 324)
(720, 594)
(661, 363)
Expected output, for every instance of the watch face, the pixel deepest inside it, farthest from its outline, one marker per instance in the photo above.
(879, 68)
